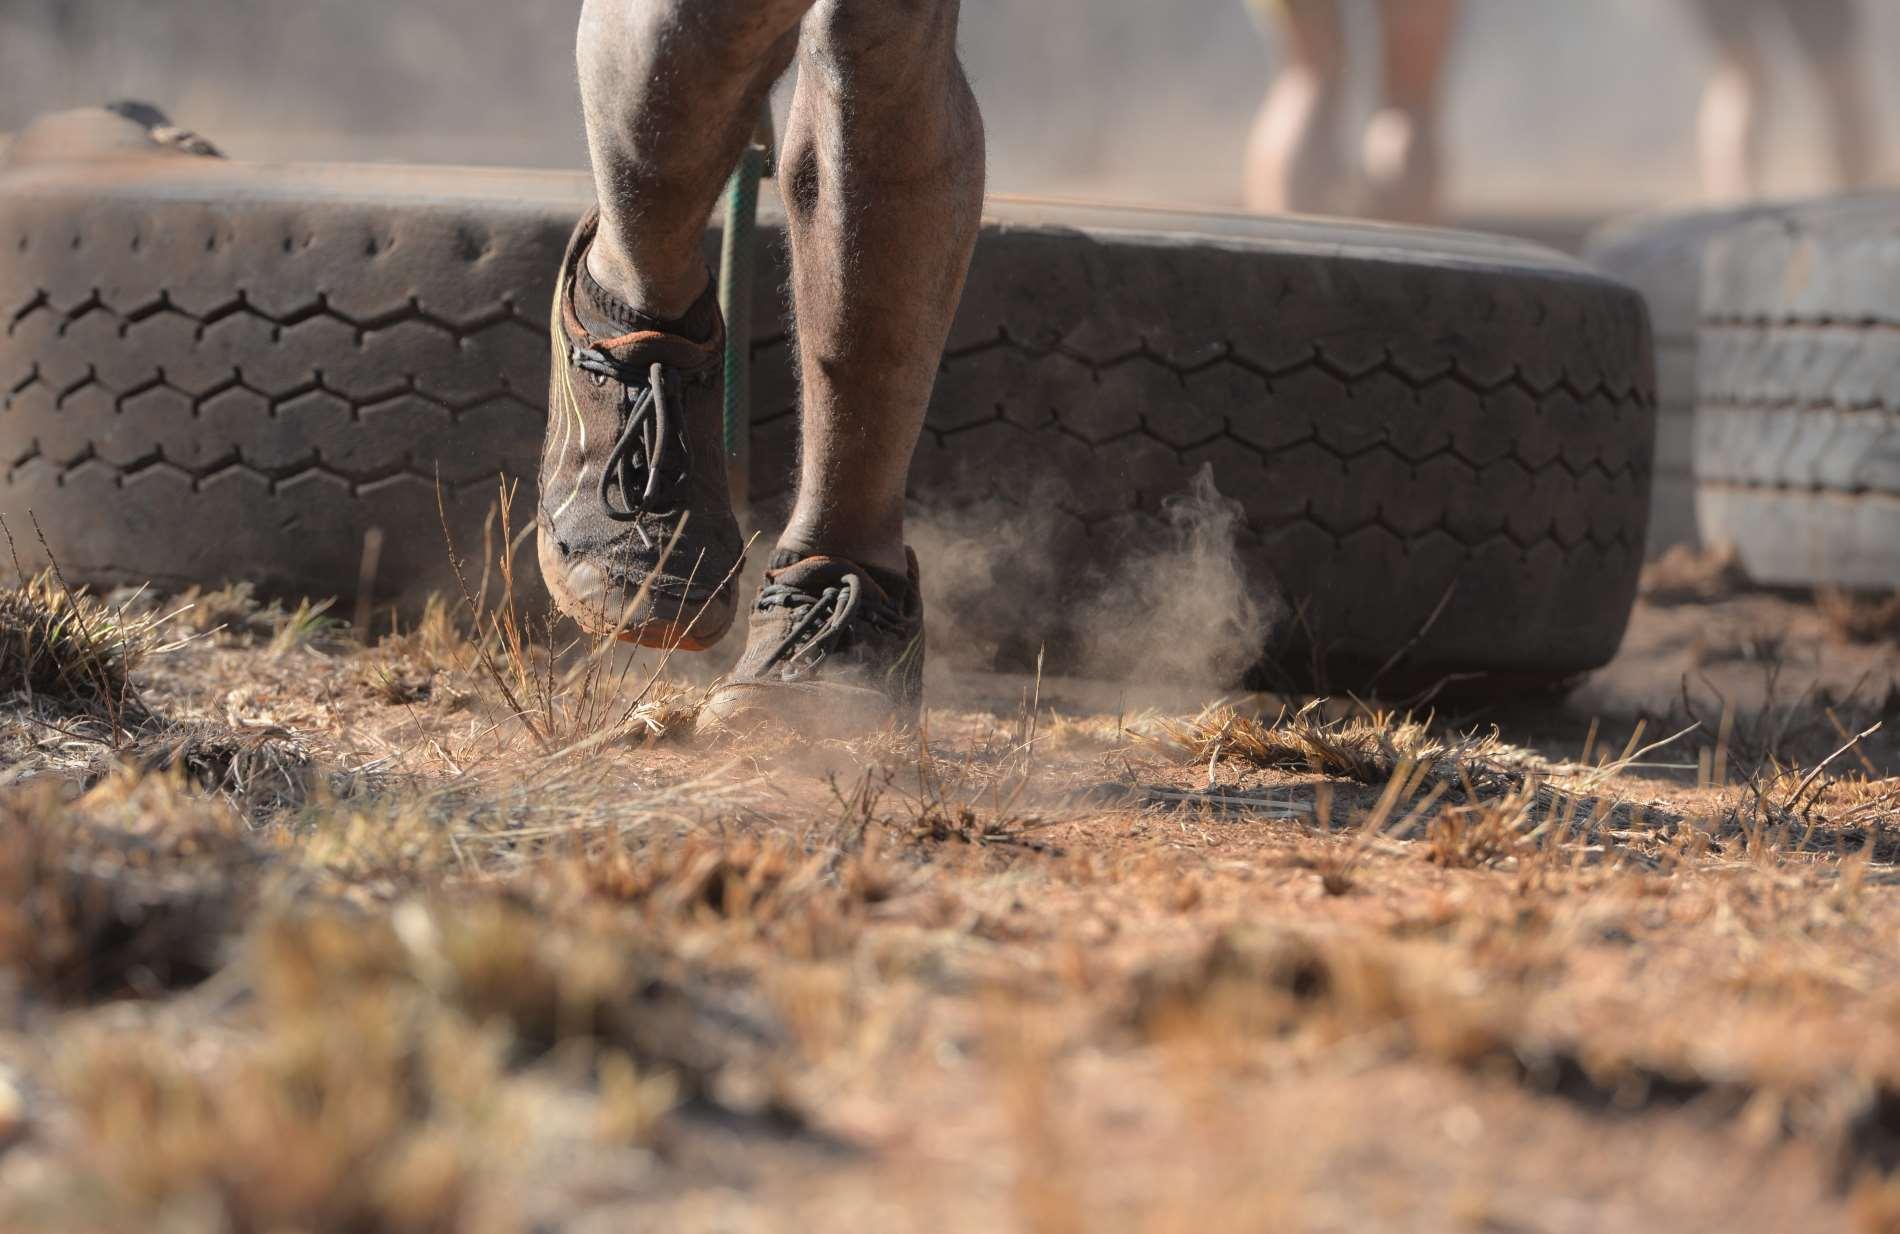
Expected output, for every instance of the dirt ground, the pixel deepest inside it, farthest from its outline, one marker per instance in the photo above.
(437, 935)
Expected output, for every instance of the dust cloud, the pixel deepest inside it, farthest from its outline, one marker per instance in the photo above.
(1170, 600)
(1185, 610)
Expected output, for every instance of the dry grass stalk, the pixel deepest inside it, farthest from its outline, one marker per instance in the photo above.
(573, 697)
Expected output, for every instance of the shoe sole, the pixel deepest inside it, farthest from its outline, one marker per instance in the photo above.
(588, 608)
(816, 711)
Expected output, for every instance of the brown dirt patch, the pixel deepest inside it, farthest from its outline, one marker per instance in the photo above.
(333, 939)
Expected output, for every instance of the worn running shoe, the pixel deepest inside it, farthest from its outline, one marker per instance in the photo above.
(834, 649)
(634, 456)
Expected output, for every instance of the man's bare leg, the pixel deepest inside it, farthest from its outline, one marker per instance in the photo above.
(1826, 31)
(1402, 146)
(635, 530)
(671, 90)
(1732, 127)
(1293, 162)
(882, 177)
(883, 182)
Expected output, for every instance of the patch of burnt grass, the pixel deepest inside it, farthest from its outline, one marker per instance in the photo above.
(1366, 750)
(941, 823)
(66, 650)
(135, 892)
(263, 772)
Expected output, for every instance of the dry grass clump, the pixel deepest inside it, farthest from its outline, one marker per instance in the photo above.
(1479, 834)
(350, 1122)
(394, 685)
(502, 962)
(233, 611)
(757, 879)
(809, 901)
(546, 978)
(1858, 616)
(1253, 984)
(136, 890)
(570, 695)
(64, 648)
(238, 617)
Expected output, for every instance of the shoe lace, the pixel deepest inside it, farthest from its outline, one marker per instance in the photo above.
(827, 621)
(639, 463)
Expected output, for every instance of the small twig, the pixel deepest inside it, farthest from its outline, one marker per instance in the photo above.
(1840, 730)
(1814, 775)
(1398, 657)
(13, 550)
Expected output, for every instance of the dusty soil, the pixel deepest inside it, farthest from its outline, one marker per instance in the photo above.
(296, 934)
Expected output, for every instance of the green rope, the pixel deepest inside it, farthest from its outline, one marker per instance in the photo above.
(737, 261)
(737, 250)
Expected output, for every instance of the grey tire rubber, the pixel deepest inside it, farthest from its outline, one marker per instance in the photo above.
(1660, 254)
(1798, 435)
(1434, 448)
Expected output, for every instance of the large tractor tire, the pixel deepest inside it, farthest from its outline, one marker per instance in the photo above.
(1798, 440)
(1435, 448)
(1660, 254)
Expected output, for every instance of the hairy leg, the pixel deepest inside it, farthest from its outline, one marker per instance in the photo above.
(1732, 126)
(883, 182)
(1293, 162)
(1402, 150)
(1827, 32)
(671, 90)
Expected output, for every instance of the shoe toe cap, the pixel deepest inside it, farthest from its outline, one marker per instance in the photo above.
(666, 610)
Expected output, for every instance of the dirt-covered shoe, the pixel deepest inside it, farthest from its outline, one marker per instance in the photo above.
(834, 649)
(635, 453)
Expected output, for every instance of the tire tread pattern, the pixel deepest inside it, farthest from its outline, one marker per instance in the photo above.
(1448, 455)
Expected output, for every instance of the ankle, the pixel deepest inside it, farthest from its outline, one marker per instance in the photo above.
(882, 554)
(610, 300)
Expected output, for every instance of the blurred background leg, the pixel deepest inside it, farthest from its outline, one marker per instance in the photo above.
(1293, 155)
(1402, 144)
(1828, 33)
(1732, 126)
